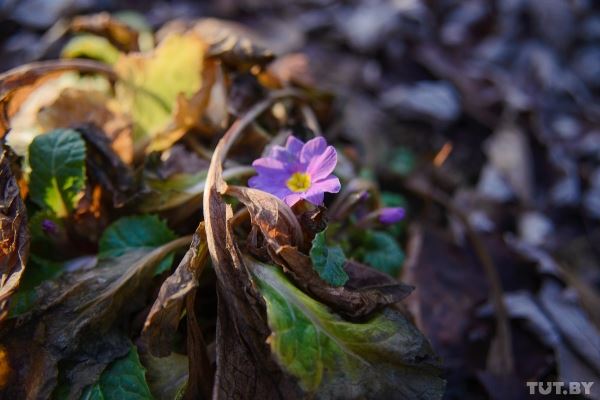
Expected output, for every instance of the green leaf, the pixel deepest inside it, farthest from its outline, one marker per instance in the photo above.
(124, 379)
(403, 161)
(91, 46)
(150, 83)
(391, 199)
(380, 251)
(328, 261)
(384, 357)
(92, 393)
(172, 192)
(143, 231)
(57, 176)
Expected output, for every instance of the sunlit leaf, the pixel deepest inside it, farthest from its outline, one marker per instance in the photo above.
(58, 170)
(181, 189)
(384, 357)
(328, 261)
(26, 124)
(151, 83)
(173, 191)
(91, 46)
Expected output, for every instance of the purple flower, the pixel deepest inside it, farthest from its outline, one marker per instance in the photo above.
(49, 227)
(298, 171)
(391, 215)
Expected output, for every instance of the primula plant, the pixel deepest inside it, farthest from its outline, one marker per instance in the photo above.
(175, 224)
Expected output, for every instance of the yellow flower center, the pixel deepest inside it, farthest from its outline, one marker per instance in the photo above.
(299, 182)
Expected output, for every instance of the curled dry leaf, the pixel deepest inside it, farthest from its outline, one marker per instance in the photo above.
(14, 236)
(163, 319)
(118, 33)
(245, 368)
(18, 81)
(270, 214)
(290, 69)
(234, 44)
(201, 374)
(106, 167)
(347, 300)
(75, 107)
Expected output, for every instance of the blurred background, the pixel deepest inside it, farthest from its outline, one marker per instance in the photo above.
(483, 115)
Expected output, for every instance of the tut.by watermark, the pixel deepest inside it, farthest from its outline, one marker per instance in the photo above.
(560, 387)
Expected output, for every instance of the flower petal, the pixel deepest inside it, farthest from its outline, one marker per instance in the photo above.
(294, 145)
(265, 184)
(292, 199)
(279, 153)
(331, 184)
(315, 198)
(323, 165)
(312, 149)
(271, 167)
(315, 194)
(391, 215)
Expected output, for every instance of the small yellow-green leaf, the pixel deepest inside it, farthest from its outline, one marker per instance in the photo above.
(91, 46)
(151, 82)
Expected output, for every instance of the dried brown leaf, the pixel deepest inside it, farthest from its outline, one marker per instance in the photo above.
(76, 321)
(103, 24)
(18, 80)
(245, 368)
(14, 236)
(348, 300)
(201, 374)
(274, 218)
(163, 319)
(75, 107)
(233, 43)
(106, 167)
